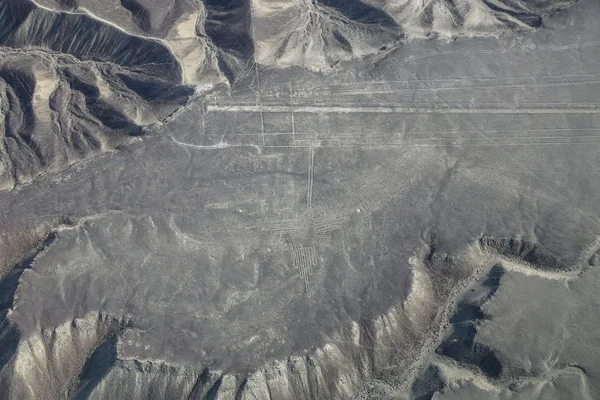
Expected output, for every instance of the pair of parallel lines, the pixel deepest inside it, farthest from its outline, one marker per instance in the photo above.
(330, 222)
(305, 259)
(374, 91)
(412, 134)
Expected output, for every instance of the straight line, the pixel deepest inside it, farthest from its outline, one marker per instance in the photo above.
(415, 135)
(379, 135)
(262, 125)
(292, 105)
(257, 77)
(378, 138)
(295, 255)
(311, 167)
(293, 127)
(403, 145)
(404, 110)
(326, 144)
(305, 260)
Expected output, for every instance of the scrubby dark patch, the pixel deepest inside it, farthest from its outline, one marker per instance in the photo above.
(426, 17)
(228, 72)
(530, 252)
(427, 383)
(342, 42)
(97, 367)
(432, 254)
(139, 14)
(228, 26)
(594, 260)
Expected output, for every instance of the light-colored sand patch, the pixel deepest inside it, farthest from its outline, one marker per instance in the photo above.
(192, 55)
(421, 294)
(479, 17)
(297, 36)
(477, 20)
(197, 62)
(454, 372)
(187, 28)
(46, 83)
(102, 86)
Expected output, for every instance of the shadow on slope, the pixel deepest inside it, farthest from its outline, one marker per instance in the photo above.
(25, 26)
(19, 118)
(139, 14)
(10, 335)
(530, 19)
(360, 12)
(156, 91)
(228, 26)
(97, 366)
(107, 115)
(460, 345)
(530, 252)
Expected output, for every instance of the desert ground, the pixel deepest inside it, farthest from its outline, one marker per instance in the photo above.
(273, 200)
